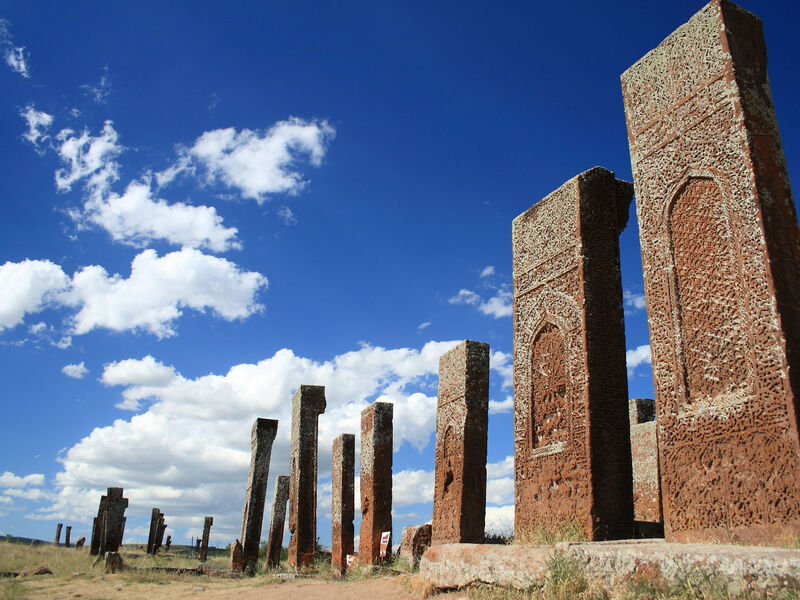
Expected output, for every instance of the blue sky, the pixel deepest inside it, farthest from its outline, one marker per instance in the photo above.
(206, 205)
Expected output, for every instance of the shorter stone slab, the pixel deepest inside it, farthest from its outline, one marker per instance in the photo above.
(80, 542)
(414, 541)
(612, 564)
(237, 557)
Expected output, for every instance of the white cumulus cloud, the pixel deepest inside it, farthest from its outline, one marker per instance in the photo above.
(497, 306)
(633, 300)
(137, 217)
(637, 356)
(487, 271)
(27, 287)
(151, 299)
(9, 480)
(76, 371)
(260, 163)
(158, 288)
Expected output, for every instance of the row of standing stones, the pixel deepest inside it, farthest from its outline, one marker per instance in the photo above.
(716, 456)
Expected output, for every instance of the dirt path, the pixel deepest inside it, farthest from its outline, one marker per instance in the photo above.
(111, 586)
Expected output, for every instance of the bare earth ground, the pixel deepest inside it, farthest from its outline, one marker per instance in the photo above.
(192, 586)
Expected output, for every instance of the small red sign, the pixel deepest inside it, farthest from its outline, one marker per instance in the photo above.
(385, 542)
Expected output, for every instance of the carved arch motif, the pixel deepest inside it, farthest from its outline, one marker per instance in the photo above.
(707, 292)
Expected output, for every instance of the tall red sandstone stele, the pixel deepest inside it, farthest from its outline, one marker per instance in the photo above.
(462, 418)
(572, 453)
(307, 404)
(262, 435)
(376, 480)
(342, 500)
(721, 259)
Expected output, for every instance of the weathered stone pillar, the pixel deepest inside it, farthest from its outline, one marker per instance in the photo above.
(206, 532)
(197, 547)
(572, 452)
(376, 480)
(66, 538)
(307, 404)
(97, 528)
(462, 418)
(155, 519)
(160, 529)
(648, 519)
(275, 543)
(168, 543)
(114, 525)
(58, 534)
(343, 500)
(261, 437)
(721, 258)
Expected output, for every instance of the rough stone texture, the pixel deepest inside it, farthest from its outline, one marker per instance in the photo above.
(343, 500)
(414, 541)
(109, 525)
(58, 533)
(648, 519)
(155, 518)
(376, 480)
(721, 258)
(80, 542)
(197, 546)
(458, 565)
(307, 404)
(161, 527)
(613, 564)
(275, 543)
(571, 435)
(237, 556)
(462, 417)
(261, 437)
(168, 543)
(209, 521)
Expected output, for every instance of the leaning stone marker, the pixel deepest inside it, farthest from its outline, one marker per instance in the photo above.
(80, 542)
(209, 521)
(721, 259)
(648, 519)
(571, 435)
(237, 556)
(261, 437)
(161, 527)
(155, 519)
(462, 416)
(58, 533)
(67, 536)
(275, 543)
(376, 480)
(307, 404)
(343, 500)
